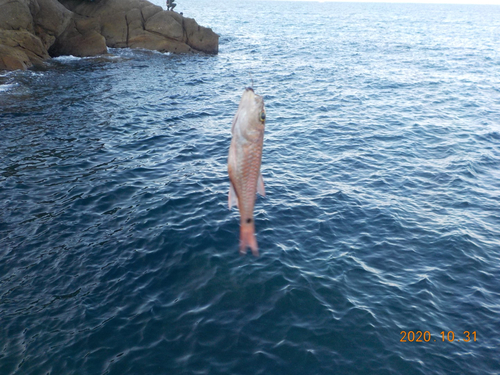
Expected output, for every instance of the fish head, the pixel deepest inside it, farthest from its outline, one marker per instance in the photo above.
(250, 118)
(254, 104)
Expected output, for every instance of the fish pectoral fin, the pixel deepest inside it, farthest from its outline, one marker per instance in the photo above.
(232, 198)
(260, 186)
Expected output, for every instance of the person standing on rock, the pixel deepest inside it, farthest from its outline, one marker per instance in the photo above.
(171, 5)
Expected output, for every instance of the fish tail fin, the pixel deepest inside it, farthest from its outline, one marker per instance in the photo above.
(247, 239)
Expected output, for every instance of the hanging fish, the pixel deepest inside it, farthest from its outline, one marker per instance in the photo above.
(245, 155)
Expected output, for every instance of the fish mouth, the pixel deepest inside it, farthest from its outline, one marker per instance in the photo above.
(251, 98)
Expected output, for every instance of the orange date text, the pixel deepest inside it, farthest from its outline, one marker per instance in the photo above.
(426, 336)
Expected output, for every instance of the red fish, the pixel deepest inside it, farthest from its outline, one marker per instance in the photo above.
(245, 155)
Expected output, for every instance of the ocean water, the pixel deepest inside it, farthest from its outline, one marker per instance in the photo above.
(118, 254)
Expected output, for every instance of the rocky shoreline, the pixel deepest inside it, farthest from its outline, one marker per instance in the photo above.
(32, 31)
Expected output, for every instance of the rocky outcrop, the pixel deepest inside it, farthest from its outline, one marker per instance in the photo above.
(80, 38)
(33, 30)
(20, 49)
(140, 24)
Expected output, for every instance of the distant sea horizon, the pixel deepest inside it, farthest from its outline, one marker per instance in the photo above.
(186, 4)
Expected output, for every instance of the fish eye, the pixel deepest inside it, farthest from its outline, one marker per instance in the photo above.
(262, 116)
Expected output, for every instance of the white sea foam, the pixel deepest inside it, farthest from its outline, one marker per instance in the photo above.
(7, 87)
(68, 58)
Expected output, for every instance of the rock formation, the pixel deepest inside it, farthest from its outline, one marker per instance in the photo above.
(32, 31)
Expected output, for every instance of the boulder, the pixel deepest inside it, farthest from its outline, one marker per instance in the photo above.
(140, 24)
(15, 21)
(29, 28)
(200, 38)
(50, 19)
(12, 58)
(134, 23)
(26, 42)
(164, 24)
(33, 30)
(115, 30)
(81, 38)
(150, 10)
(15, 15)
(158, 43)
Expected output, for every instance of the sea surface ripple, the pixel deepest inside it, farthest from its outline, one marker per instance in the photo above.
(118, 254)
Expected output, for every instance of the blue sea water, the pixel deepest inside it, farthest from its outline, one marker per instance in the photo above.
(118, 254)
